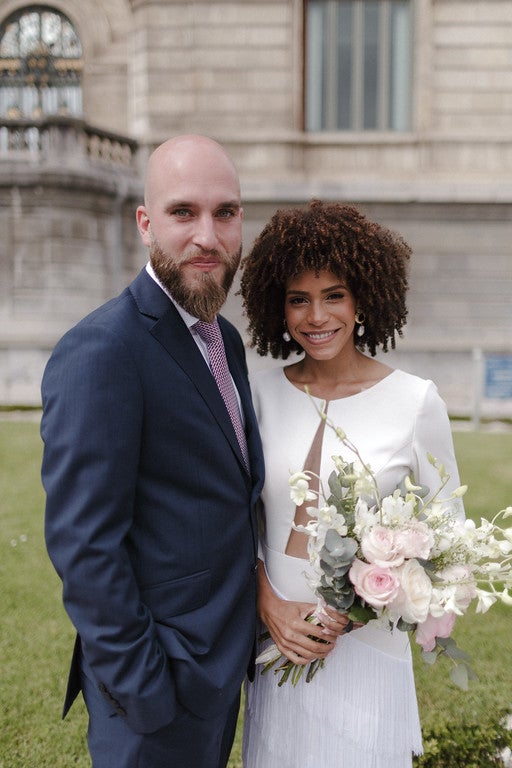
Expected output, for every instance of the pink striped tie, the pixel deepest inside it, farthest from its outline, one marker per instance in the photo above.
(210, 333)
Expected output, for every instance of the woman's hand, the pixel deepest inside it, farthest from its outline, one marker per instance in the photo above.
(289, 629)
(335, 623)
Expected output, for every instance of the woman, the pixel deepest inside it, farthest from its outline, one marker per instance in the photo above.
(327, 282)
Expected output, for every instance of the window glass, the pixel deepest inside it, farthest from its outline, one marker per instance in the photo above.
(40, 64)
(345, 67)
(358, 65)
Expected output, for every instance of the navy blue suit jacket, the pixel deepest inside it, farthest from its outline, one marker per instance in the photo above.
(150, 512)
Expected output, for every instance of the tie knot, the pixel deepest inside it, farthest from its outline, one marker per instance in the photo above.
(209, 332)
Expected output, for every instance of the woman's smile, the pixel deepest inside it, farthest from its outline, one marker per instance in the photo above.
(319, 336)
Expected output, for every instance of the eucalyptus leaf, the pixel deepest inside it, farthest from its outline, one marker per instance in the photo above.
(429, 657)
(459, 676)
(334, 599)
(335, 485)
(405, 626)
(326, 564)
(361, 613)
(454, 652)
(342, 584)
(451, 649)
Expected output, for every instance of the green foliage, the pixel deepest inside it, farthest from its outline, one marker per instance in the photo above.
(36, 637)
(472, 745)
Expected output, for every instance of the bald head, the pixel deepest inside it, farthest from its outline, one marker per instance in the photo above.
(191, 221)
(192, 158)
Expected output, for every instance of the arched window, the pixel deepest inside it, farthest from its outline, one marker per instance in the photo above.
(40, 64)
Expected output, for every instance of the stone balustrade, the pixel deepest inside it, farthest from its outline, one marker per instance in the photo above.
(66, 138)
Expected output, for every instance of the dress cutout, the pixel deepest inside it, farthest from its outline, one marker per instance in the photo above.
(297, 541)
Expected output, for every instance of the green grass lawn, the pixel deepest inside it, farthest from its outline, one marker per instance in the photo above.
(36, 637)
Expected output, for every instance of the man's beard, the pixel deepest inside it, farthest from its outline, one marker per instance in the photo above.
(206, 296)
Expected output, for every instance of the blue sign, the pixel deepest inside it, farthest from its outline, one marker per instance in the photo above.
(498, 376)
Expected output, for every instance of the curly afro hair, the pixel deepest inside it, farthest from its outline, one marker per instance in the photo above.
(370, 259)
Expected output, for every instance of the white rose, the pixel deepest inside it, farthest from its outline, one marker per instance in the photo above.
(413, 600)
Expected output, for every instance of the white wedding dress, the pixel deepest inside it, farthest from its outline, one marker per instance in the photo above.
(360, 710)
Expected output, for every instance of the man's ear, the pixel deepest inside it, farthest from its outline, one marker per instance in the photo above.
(143, 225)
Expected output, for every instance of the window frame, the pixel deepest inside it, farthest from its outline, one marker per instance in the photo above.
(320, 119)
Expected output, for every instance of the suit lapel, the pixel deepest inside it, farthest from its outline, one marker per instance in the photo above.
(173, 334)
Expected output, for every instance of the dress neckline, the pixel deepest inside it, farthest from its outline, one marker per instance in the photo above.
(361, 393)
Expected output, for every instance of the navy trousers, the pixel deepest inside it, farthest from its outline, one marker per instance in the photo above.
(187, 742)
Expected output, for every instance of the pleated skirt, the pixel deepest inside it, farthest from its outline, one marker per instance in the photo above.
(359, 710)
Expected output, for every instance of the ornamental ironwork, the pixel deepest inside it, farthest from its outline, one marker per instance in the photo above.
(40, 64)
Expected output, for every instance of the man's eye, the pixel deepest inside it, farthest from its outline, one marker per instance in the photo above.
(226, 213)
(181, 213)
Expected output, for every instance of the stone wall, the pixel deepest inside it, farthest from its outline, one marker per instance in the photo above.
(69, 240)
(234, 70)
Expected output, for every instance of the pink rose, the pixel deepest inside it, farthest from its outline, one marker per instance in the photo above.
(416, 540)
(378, 586)
(433, 627)
(379, 547)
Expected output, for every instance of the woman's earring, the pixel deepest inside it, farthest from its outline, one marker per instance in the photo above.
(286, 335)
(360, 318)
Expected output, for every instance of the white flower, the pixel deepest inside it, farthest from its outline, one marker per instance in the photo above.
(491, 567)
(271, 653)
(299, 489)
(329, 515)
(365, 483)
(396, 510)
(505, 597)
(459, 589)
(505, 547)
(365, 518)
(485, 600)
(442, 544)
(311, 528)
(413, 601)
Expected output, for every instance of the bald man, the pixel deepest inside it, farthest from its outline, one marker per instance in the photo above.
(151, 482)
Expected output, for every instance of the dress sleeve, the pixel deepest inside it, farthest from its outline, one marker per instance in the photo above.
(433, 435)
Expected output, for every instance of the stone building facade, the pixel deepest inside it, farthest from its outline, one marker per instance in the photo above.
(403, 107)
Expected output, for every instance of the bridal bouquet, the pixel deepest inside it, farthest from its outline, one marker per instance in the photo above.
(406, 560)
